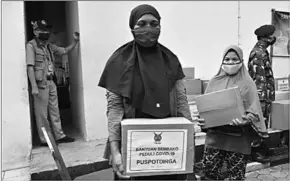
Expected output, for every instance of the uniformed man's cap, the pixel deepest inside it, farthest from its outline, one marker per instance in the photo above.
(265, 30)
(40, 24)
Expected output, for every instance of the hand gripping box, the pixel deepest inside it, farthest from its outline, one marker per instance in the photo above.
(157, 146)
(221, 107)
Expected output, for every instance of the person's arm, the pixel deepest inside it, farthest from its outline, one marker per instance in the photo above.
(257, 71)
(63, 50)
(30, 61)
(181, 100)
(115, 112)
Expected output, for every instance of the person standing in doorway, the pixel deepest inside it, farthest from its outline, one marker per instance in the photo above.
(260, 69)
(40, 69)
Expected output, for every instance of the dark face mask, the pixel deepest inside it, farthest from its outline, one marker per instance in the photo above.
(146, 37)
(44, 36)
(272, 40)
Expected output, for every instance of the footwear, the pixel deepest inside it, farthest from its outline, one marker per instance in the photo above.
(259, 157)
(43, 144)
(65, 140)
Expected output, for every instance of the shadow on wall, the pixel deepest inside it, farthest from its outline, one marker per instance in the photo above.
(75, 69)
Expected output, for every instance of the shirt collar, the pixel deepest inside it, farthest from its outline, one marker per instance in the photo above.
(40, 43)
(262, 44)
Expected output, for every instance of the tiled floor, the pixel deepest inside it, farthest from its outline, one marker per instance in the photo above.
(280, 173)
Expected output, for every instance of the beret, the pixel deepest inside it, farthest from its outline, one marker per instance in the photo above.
(40, 24)
(265, 30)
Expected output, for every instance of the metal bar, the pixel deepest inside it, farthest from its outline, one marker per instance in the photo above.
(64, 174)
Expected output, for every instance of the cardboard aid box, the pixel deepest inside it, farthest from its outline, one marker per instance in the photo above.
(193, 86)
(157, 146)
(282, 95)
(221, 107)
(191, 98)
(280, 115)
(189, 72)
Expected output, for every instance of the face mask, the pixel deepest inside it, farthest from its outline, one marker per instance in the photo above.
(231, 69)
(146, 37)
(272, 40)
(43, 36)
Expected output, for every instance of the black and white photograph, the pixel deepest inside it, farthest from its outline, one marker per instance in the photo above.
(145, 90)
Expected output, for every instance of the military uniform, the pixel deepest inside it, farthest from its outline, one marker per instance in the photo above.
(40, 56)
(46, 103)
(260, 69)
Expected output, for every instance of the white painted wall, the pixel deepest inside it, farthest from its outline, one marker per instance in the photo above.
(196, 31)
(16, 135)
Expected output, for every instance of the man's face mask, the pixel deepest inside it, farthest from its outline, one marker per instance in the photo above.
(43, 35)
(272, 40)
(146, 36)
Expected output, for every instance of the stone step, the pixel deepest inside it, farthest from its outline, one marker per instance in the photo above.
(22, 174)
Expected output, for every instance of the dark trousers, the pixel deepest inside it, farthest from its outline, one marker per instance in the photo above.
(259, 145)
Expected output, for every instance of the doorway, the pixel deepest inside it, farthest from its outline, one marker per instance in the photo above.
(57, 14)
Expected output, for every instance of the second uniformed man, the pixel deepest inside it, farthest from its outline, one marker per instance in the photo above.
(260, 69)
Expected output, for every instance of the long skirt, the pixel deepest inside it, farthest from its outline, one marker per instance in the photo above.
(220, 165)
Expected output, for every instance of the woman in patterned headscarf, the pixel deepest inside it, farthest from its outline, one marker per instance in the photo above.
(227, 148)
(143, 79)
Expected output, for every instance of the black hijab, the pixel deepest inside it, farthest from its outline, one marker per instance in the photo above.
(143, 75)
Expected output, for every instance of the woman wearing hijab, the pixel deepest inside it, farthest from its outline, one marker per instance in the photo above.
(227, 148)
(143, 79)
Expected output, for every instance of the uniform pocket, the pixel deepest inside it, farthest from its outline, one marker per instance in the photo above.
(39, 75)
(39, 55)
(39, 70)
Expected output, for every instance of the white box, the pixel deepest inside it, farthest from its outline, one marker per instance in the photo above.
(157, 146)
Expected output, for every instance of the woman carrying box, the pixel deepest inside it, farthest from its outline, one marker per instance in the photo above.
(143, 79)
(227, 148)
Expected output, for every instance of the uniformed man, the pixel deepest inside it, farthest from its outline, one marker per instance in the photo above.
(260, 69)
(40, 58)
